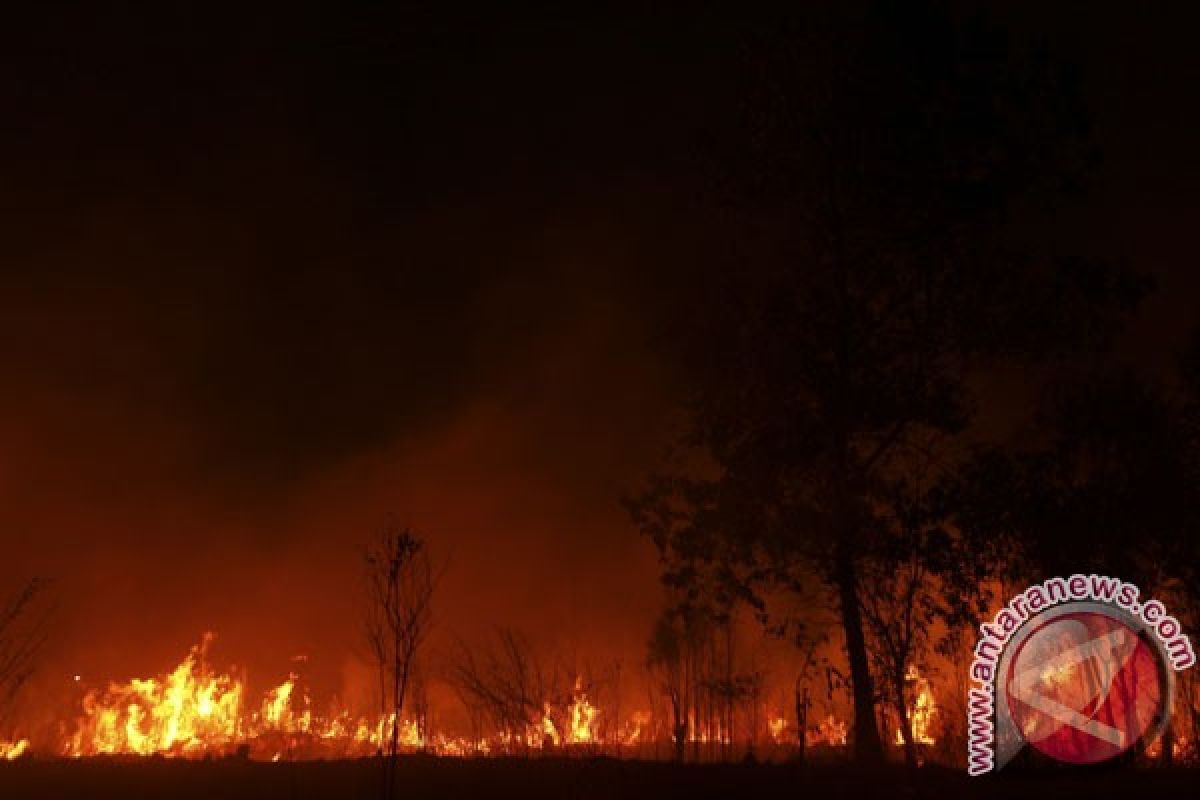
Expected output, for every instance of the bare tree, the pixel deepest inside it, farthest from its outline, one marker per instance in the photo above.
(399, 586)
(665, 661)
(23, 627)
(505, 681)
(803, 699)
(897, 622)
(418, 704)
(679, 660)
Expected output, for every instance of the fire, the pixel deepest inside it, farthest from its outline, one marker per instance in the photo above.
(583, 718)
(548, 729)
(1180, 750)
(830, 732)
(922, 710)
(190, 709)
(276, 708)
(580, 722)
(11, 751)
(194, 711)
(635, 726)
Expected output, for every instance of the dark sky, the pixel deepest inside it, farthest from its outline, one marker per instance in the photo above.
(267, 277)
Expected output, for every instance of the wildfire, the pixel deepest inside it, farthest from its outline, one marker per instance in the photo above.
(922, 710)
(830, 732)
(580, 722)
(582, 718)
(11, 751)
(635, 726)
(194, 711)
(276, 708)
(189, 709)
(1179, 750)
(548, 728)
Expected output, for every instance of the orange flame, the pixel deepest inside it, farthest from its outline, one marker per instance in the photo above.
(193, 711)
(830, 732)
(187, 710)
(778, 727)
(11, 751)
(921, 711)
(582, 718)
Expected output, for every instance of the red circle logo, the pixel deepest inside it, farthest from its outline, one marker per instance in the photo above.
(1085, 687)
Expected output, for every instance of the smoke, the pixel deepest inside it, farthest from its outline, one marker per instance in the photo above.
(248, 310)
(169, 488)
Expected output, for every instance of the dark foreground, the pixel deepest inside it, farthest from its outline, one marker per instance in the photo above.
(497, 779)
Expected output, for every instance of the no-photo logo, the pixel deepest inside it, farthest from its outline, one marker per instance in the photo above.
(1085, 687)
(1077, 668)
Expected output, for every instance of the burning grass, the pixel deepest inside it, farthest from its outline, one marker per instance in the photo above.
(194, 711)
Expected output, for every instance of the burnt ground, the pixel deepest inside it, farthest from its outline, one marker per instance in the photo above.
(566, 778)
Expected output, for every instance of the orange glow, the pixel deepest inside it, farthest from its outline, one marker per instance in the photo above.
(778, 726)
(189, 710)
(635, 727)
(921, 711)
(830, 732)
(11, 751)
(582, 718)
(194, 711)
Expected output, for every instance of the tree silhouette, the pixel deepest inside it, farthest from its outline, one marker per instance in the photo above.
(1110, 485)
(667, 661)
(870, 190)
(399, 583)
(507, 682)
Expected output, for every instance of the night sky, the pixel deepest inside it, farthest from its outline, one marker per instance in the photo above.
(266, 278)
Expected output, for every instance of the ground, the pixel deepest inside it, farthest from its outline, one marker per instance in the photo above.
(496, 779)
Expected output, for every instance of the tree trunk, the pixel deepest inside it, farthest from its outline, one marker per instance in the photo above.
(801, 723)
(867, 747)
(906, 731)
(679, 728)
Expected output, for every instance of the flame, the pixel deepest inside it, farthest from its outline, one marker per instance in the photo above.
(922, 710)
(189, 709)
(579, 724)
(548, 729)
(11, 751)
(410, 735)
(704, 733)
(1180, 750)
(276, 708)
(194, 711)
(638, 722)
(830, 732)
(582, 718)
